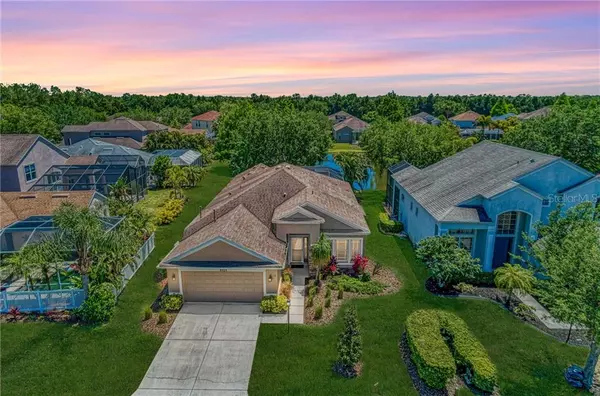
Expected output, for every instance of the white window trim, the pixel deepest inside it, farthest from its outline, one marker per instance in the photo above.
(25, 172)
(348, 248)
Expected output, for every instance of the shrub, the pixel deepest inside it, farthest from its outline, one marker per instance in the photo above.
(312, 291)
(524, 312)
(162, 317)
(448, 263)
(273, 304)
(377, 268)
(147, 313)
(331, 269)
(159, 275)
(349, 345)
(365, 277)
(309, 302)
(169, 211)
(171, 302)
(354, 285)
(340, 295)
(14, 313)
(287, 275)
(286, 289)
(328, 302)
(388, 225)
(463, 287)
(439, 342)
(328, 293)
(318, 312)
(359, 263)
(100, 304)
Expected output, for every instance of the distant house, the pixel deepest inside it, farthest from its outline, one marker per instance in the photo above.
(346, 127)
(487, 197)
(465, 120)
(121, 130)
(488, 133)
(205, 122)
(503, 117)
(543, 112)
(97, 147)
(24, 159)
(424, 118)
(179, 157)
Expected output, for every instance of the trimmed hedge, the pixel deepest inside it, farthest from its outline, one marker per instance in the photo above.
(273, 304)
(440, 341)
(388, 225)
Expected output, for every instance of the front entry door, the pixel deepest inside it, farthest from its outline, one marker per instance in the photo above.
(299, 250)
(502, 249)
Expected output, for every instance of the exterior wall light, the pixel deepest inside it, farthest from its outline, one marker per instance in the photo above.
(270, 278)
(173, 276)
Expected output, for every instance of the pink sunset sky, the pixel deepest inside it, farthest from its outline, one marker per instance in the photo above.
(276, 48)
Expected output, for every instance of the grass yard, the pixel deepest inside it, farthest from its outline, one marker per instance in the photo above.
(59, 359)
(153, 199)
(339, 147)
(299, 363)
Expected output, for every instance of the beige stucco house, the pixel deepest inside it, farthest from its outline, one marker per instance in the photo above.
(264, 220)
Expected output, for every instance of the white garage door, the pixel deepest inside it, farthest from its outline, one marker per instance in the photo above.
(222, 286)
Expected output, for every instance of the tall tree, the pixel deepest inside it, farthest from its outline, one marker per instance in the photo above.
(355, 166)
(176, 178)
(511, 277)
(320, 253)
(159, 169)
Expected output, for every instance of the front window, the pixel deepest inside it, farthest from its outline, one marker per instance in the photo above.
(341, 250)
(356, 247)
(464, 237)
(345, 249)
(30, 173)
(507, 223)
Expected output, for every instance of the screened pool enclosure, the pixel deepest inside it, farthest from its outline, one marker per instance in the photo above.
(99, 176)
(35, 229)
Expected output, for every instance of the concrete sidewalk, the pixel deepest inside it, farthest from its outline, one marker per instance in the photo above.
(296, 301)
(208, 352)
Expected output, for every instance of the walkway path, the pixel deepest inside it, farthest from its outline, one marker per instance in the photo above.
(208, 352)
(296, 302)
(542, 313)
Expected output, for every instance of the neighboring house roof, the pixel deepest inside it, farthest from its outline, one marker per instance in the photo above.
(503, 117)
(98, 147)
(356, 124)
(466, 116)
(424, 118)
(211, 115)
(243, 212)
(187, 126)
(193, 131)
(485, 169)
(117, 124)
(178, 157)
(339, 114)
(82, 160)
(543, 112)
(122, 141)
(21, 205)
(14, 147)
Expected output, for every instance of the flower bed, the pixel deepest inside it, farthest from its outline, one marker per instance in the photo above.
(384, 277)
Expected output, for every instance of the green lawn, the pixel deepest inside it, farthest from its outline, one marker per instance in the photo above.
(339, 147)
(154, 199)
(58, 359)
(299, 363)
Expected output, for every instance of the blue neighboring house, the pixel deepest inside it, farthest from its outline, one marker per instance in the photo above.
(487, 196)
(122, 131)
(466, 120)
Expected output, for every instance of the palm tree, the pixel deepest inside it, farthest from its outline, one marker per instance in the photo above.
(121, 190)
(112, 254)
(320, 253)
(484, 121)
(194, 174)
(176, 179)
(79, 230)
(512, 276)
(22, 264)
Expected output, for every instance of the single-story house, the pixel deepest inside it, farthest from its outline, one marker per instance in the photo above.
(543, 112)
(25, 217)
(264, 220)
(465, 120)
(486, 196)
(120, 130)
(179, 157)
(205, 122)
(348, 130)
(24, 158)
(97, 147)
(424, 118)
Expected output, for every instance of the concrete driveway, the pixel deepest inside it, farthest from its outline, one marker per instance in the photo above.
(208, 352)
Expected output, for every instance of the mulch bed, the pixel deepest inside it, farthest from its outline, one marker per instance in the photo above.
(385, 276)
(151, 325)
(50, 316)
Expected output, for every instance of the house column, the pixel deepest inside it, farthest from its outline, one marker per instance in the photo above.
(489, 249)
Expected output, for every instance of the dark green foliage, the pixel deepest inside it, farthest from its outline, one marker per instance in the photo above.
(355, 166)
(100, 304)
(388, 225)
(159, 168)
(318, 312)
(355, 285)
(162, 317)
(273, 304)
(327, 302)
(349, 344)
(440, 342)
(340, 294)
(171, 302)
(365, 277)
(147, 313)
(328, 293)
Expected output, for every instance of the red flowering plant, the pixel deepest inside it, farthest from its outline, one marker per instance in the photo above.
(331, 268)
(359, 264)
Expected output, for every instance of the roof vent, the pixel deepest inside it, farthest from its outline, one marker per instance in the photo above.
(531, 161)
(60, 195)
(27, 196)
(284, 194)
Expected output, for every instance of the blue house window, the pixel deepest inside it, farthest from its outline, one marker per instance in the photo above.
(411, 205)
(465, 238)
(416, 212)
(30, 173)
(402, 197)
(545, 202)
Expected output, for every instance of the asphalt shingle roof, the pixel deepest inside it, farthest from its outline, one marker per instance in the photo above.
(117, 124)
(211, 115)
(14, 147)
(485, 169)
